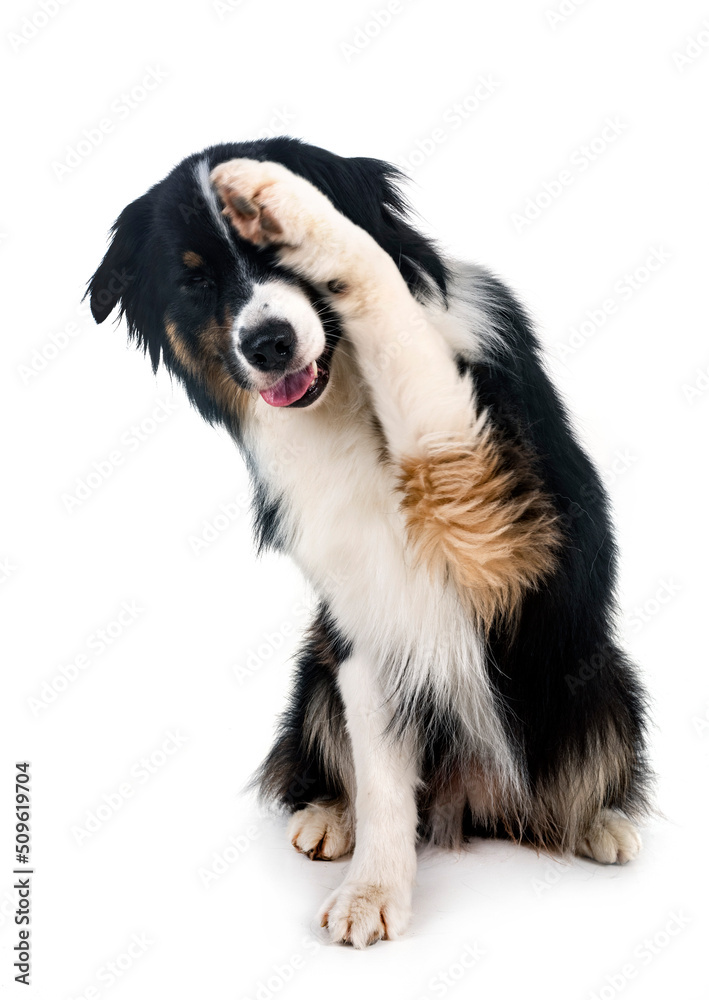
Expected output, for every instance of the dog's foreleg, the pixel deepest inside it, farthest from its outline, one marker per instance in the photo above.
(374, 901)
(475, 509)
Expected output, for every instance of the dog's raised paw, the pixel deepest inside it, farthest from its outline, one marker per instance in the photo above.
(322, 830)
(360, 914)
(612, 839)
(266, 203)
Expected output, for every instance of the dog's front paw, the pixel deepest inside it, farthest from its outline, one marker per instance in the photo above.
(322, 830)
(360, 913)
(267, 204)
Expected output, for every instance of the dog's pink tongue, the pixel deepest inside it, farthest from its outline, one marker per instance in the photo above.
(290, 388)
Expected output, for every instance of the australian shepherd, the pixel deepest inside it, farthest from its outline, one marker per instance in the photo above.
(461, 675)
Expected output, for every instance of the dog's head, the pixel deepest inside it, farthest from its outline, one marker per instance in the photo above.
(222, 314)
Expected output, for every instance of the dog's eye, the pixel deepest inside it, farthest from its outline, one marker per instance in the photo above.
(198, 282)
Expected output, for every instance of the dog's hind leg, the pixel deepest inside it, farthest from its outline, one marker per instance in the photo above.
(589, 804)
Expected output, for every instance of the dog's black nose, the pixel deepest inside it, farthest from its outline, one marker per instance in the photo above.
(269, 346)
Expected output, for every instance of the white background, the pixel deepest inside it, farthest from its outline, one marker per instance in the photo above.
(636, 383)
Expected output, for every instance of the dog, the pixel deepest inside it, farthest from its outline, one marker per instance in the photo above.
(461, 675)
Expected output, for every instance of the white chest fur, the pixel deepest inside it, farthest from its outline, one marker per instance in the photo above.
(343, 527)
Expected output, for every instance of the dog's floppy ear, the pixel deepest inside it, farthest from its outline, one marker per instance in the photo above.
(117, 271)
(368, 191)
(121, 278)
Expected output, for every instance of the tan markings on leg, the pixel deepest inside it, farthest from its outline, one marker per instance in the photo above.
(192, 259)
(477, 510)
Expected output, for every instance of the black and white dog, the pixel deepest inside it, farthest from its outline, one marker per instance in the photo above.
(407, 449)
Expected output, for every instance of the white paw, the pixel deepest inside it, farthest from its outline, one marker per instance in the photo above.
(266, 203)
(612, 839)
(323, 831)
(359, 913)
